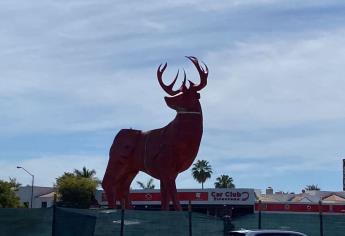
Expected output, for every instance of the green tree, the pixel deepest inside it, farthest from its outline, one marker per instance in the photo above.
(8, 197)
(76, 191)
(224, 181)
(148, 185)
(86, 173)
(15, 185)
(312, 187)
(201, 171)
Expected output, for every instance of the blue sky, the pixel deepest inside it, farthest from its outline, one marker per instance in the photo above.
(73, 73)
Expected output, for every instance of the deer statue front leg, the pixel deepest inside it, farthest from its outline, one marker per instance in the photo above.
(173, 195)
(164, 197)
(169, 192)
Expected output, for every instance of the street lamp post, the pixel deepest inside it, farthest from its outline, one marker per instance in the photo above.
(32, 183)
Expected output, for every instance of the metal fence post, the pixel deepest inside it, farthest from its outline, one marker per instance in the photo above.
(54, 217)
(122, 217)
(190, 217)
(259, 223)
(321, 219)
(228, 226)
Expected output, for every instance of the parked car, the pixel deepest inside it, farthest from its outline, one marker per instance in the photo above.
(264, 233)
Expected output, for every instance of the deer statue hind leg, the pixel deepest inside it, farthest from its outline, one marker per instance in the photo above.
(111, 185)
(117, 188)
(119, 164)
(124, 188)
(110, 193)
(111, 179)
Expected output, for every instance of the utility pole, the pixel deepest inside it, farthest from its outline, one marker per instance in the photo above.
(32, 184)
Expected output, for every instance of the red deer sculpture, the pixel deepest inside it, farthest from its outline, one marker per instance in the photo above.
(162, 153)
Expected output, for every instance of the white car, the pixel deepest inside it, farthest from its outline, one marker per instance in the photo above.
(264, 233)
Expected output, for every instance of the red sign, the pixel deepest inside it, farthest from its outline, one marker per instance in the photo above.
(240, 196)
(156, 196)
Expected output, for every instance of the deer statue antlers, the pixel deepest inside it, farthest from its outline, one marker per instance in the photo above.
(169, 88)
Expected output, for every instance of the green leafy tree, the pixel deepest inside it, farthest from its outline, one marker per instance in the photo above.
(15, 185)
(224, 181)
(86, 173)
(76, 191)
(312, 187)
(148, 185)
(201, 171)
(8, 197)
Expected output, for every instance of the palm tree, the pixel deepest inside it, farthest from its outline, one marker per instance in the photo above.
(201, 171)
(224, 181)
(149, 184)
(86, 173)
(312, 187)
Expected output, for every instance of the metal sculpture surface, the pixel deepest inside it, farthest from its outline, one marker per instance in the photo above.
(162, 153)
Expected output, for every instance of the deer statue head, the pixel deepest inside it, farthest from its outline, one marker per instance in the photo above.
(184, 99)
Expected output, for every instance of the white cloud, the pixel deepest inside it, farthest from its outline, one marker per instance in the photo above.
(278, 82)
(84, 66)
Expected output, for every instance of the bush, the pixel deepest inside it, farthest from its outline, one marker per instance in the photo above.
(75, 191)
(8, 197)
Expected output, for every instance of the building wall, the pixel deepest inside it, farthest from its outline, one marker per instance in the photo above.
(24, 194)
(220, 196)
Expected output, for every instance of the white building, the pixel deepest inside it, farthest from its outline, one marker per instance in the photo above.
(42, 196)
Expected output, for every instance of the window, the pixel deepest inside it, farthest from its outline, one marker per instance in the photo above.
(44, 205)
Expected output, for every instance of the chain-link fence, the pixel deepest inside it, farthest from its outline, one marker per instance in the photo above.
(103, 222)
(26, 222)
(310, 224)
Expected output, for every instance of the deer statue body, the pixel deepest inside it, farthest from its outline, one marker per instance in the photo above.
(162, 153)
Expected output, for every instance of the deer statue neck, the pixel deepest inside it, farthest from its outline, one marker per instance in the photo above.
(190, 112)
(194, 114)
(183, 134)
